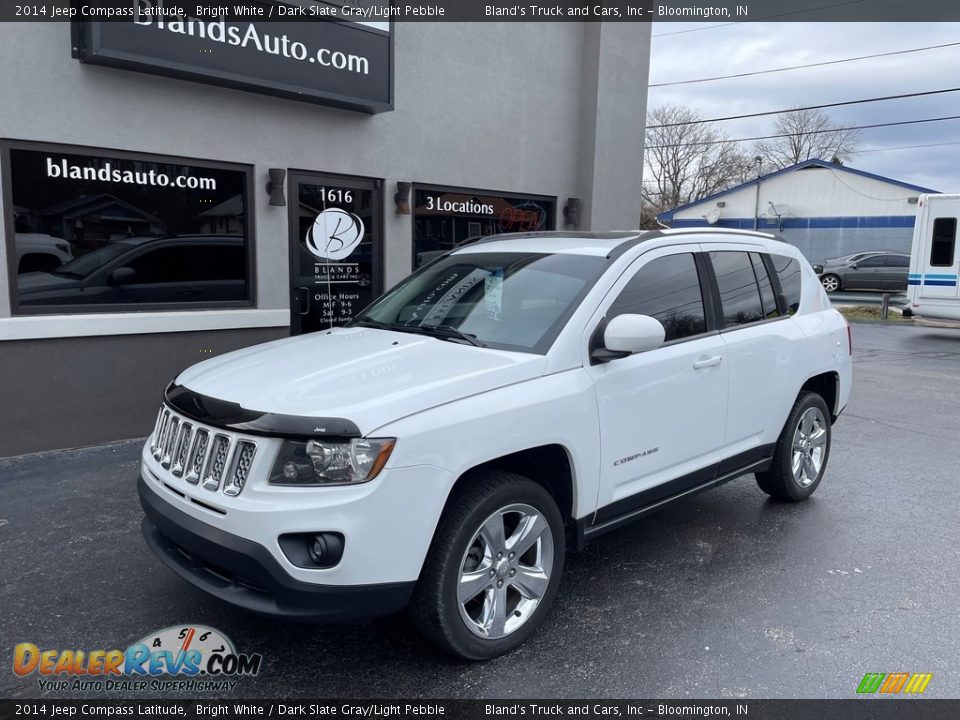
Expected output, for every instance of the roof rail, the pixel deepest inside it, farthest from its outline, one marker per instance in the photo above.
(644, 236)
(717, 230)
(612, 235)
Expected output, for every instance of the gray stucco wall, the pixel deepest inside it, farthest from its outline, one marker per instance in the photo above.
(542, 108)
(83, 391)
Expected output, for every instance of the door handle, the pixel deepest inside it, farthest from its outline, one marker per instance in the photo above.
(303, 301)
(705, 362)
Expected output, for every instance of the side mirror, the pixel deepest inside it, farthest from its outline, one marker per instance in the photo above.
(629, 334)
(122, 276)
(854, 267)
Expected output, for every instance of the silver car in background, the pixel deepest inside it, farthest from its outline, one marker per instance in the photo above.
(878, 270)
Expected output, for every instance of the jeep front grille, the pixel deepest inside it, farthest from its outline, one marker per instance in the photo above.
(180, 448)
(197, 455)
(240, 468)
(216, 462)
(200, 455)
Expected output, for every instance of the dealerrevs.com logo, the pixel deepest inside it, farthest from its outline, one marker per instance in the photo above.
(200, 657)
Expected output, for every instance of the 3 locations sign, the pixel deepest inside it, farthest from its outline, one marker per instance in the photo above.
(331, 62)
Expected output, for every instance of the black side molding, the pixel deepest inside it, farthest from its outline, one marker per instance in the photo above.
(622, 512)
(233, 416)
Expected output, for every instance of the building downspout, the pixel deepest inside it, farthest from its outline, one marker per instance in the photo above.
(756, 203)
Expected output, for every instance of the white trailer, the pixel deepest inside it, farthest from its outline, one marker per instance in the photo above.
(933, 290)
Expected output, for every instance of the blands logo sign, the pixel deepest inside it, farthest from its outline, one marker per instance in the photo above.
(895, 683)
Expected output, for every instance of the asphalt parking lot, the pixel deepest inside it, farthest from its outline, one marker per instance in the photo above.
(726, 595)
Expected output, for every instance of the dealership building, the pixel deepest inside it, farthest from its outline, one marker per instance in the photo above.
(175, 189)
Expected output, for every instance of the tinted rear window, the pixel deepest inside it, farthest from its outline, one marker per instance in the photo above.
(770, 309)
(788, 270)
(739, 292)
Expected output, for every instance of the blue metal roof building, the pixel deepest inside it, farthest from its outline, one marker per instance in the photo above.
(823, 208)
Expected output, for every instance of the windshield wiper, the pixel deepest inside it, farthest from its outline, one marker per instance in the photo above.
(448, 332)
(367, 321)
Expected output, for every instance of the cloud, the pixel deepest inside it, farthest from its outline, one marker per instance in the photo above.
(746, 47)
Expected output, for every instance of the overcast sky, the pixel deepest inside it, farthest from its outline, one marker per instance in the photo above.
(744, 47)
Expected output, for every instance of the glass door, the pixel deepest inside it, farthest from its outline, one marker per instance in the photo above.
(336, 249)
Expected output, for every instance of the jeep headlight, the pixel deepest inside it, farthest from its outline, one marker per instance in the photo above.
(317, 462)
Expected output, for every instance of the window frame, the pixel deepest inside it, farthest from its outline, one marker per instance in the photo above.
(772, 274)
(709, 311)
(9, 241)
(772, 279)
(432, 187)
(953, 243)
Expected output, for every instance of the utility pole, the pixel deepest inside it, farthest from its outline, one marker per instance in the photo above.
(758, 160)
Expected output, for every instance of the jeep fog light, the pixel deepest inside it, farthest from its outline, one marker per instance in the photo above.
(316, 462)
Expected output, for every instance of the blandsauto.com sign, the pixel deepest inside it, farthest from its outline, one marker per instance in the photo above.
(344, 64)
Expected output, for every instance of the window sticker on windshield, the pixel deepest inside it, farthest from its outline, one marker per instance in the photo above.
(493, 293)
(437, 315)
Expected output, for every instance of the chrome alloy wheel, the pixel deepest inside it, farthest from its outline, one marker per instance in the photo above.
(505, 571)
(809, 447)
(830, 283)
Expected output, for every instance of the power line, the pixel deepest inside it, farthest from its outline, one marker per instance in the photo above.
(808, 107)
(809, 132)
(763, 17)
(800, 67)
(682, 32)
(906, 147)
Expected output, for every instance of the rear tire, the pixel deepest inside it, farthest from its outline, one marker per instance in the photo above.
(830, 282)
(492, 572)
(802, 451)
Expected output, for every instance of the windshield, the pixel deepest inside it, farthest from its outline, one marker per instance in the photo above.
(511, 301)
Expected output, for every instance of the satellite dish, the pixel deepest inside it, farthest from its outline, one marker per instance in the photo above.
(779, 210)
(712, 216)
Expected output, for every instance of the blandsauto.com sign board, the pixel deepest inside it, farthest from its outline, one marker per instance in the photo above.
(331, 62)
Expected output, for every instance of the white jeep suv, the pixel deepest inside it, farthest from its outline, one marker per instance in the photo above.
(513, 398)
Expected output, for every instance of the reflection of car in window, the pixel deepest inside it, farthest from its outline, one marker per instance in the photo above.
(40, 252)
(138, 270)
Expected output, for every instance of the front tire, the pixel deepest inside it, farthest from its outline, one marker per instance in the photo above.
(802, 451)
(492, 572)
(831, 283)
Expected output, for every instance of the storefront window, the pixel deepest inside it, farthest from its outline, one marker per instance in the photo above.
(445, 218)
(101, 231)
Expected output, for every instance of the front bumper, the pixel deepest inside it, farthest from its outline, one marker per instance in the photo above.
(246, 574)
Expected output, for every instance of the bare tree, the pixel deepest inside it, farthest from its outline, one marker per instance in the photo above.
(686, 159)
(809, 134)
